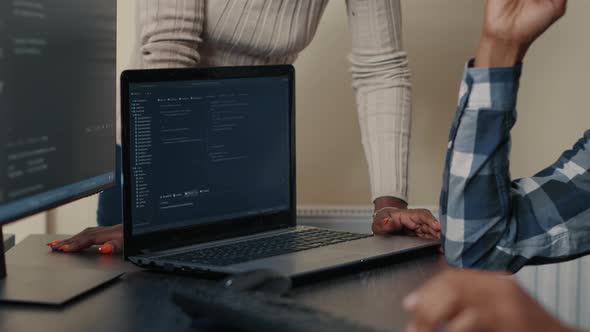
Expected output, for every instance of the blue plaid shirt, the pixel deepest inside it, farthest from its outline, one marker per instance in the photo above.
(490, 221)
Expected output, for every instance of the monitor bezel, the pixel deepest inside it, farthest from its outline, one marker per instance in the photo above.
(136, 244)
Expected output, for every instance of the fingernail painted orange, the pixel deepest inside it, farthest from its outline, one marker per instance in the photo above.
(52, 243)
(106, 249)
(65, 247)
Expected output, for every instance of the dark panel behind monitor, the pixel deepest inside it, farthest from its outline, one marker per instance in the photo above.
(57, 102)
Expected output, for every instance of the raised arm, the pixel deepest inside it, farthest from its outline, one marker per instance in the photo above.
(488, 220)
(170, 32)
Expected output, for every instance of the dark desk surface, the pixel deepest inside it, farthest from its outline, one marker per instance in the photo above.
(139, 301)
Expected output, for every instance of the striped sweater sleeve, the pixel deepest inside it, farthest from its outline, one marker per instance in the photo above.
(381, 80)
(170, 32)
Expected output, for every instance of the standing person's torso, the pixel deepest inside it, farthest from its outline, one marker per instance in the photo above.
(252, 32)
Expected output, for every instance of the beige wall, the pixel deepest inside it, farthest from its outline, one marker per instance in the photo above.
(439, 36)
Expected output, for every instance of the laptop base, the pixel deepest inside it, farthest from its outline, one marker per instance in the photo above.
(317, 263)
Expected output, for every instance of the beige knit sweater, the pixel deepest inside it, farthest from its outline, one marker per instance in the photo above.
(187, 33)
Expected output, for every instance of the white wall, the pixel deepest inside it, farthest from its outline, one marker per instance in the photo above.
(440, 36)
(22, 228)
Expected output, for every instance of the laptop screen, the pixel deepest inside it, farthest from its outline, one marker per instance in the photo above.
(208, 151)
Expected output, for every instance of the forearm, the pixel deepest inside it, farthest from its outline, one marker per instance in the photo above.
(384, 119)
(381, 80)
(495, 53)
(475, 201)
(170, 32)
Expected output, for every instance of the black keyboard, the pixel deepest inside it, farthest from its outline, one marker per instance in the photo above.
(239, 252)
(259, 312)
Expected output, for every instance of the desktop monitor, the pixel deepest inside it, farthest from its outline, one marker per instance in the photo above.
(57, 109)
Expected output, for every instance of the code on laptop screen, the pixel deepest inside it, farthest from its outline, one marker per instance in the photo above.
(209, 150)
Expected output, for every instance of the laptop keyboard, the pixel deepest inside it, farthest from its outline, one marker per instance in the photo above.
(280, 244)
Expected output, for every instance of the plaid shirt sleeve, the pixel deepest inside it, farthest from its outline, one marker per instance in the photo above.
(488, 220)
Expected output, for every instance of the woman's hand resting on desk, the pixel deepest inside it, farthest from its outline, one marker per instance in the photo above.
(110, 240)
(416, 222)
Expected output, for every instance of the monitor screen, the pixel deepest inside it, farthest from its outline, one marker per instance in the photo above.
(57, 102)
(208, 151)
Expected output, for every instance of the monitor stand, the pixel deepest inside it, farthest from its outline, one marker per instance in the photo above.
(41, 285)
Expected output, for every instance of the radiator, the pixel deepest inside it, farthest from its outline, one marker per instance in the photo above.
(562, 288)
(338, 212)
(356, 218)
(333, 214)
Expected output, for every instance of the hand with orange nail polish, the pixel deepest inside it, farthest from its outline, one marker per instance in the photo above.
(53, 243)
(106, 249)
(109, 238)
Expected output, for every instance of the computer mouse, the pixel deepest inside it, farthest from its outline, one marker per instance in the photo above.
(266, 281)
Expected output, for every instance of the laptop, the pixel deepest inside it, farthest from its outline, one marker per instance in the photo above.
(209, 177)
